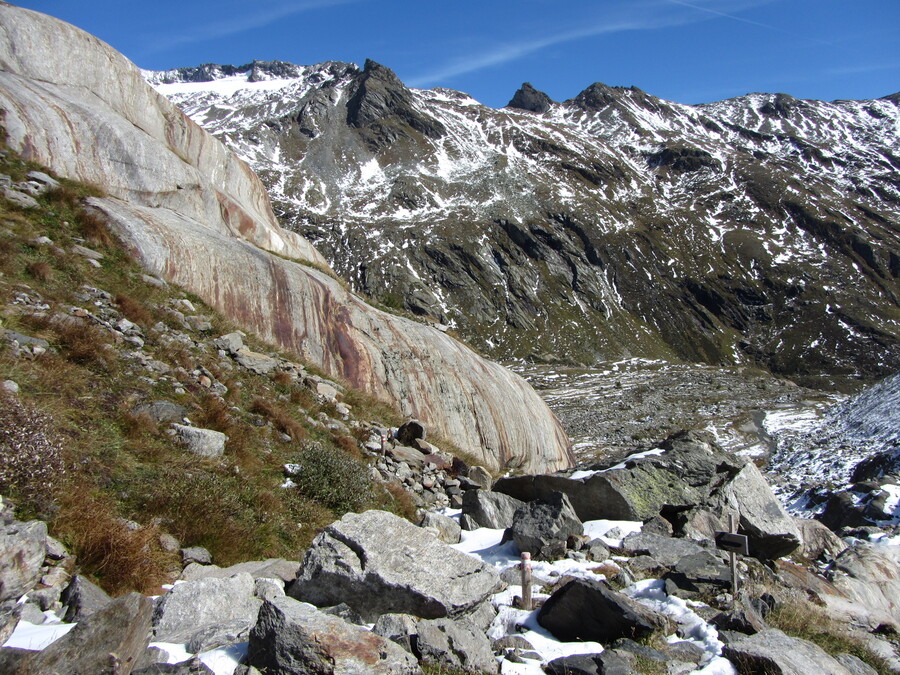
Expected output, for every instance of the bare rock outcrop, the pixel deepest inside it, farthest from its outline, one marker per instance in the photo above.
(196, 215)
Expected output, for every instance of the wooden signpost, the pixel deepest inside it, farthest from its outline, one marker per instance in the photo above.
(734, 543)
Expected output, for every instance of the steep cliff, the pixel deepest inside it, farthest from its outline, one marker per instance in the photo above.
(194, 213)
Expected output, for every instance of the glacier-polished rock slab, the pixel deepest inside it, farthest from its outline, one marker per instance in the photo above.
(195, 215)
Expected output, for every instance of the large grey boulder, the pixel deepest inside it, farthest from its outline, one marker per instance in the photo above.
(683, 476)
(294, 637)
(698, 574)
(543, 527)
(202, 442)
(771, 651)
(772, 532)
(378, 563)
(110, 642)
(272, 568)
(193, 606)
(185, 199)
(590, 610)
(483, 508)
(23, 547)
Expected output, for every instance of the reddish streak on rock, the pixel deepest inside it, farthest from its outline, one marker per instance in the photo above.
(235, 216)
(366, 649)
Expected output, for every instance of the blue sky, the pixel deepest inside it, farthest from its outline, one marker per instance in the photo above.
(689, 51)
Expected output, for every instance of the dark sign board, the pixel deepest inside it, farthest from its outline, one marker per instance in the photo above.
(734, 543)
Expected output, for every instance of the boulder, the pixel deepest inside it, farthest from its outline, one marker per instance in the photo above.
(606, 663)
(219, 635)
(771, 651)
(818, 540)
(591, 610)
(665, 550)
(452, 644)
(294, 637)
(195, 554)
(489, 509)
(272, 568)
(23, 547)
(203, 442)
(194, 605)
(378, 563)
(543, 527)
(82, 598)
(231, 343)
(109, 642)
(772, 532)
(699, 574)
(161, 411)
(480, 476)
(444, 528)
(192, 666)
(10, 614)
(411, 431)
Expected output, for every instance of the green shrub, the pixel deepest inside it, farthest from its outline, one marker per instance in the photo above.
(332, 477)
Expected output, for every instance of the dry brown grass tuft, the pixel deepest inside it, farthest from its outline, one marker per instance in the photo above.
(279, 417)
(93, 227)
(40, 270)
(349, 445)
(84, 343)
(121, 559)
(394, 498)
(134, 310)
(282, 379)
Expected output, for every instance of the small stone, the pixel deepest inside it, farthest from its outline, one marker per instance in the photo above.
(9, 387)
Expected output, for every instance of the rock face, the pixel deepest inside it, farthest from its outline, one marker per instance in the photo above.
(378, 563)
(22, 550)
(177, 198)
(646, 227)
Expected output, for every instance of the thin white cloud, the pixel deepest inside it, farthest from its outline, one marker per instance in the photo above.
(649, 15)
(726, 15)
(238, 24)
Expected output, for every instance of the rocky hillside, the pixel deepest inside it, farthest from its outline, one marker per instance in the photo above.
(761, 229)
(197, 216)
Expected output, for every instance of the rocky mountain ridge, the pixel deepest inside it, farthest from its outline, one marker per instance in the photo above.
(760, 230)
(196, 215)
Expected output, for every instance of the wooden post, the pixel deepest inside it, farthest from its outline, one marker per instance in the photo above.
(526, 581)
(735, 582)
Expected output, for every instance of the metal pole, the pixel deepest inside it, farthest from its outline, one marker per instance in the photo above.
(526, 581)
(735, 582)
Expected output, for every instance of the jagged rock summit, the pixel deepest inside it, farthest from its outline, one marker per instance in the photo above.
(197, 216)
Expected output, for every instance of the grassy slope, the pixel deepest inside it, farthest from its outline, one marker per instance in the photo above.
(116, 465)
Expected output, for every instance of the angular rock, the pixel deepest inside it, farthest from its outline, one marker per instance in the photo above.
(202, 442)
(411, 431)
(194, 605)
(20, 199)
(771, 651)
(109, 642)
(345, 612)
(667, 550)
(455, 644)
(11, 612)
(192, 666)
(489, 509)
(855, 665)
(294, 637)
(256, 362)
(590, 610)
(272, 568)
(231, 343)
(772, 532)
(379, 563)
(544, 526)
(818, 539)
(219, 635)
(445, 528)
(480, 476)
(23, 547)
(161, 411)
(698, 574)
(195, 554)
(529, 98)
(82, 598)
